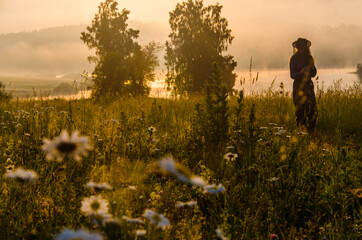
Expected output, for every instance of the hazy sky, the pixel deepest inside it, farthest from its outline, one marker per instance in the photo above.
(28, 15)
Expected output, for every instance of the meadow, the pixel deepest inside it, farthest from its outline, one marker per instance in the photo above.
(181, 168)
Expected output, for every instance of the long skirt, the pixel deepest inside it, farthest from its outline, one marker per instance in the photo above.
(305, 104)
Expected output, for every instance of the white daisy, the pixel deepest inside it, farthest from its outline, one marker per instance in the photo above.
(79, 235)
(230, 156)
(140, 232)
(186, 204)
(22, 175)
(213, 189)
(197, 181)
(219, 234)
(98, 186)
(273, 179)
(157, 219)
(63, 145)
(169, 165)
(133, 220)
(10, 168)
(152, 129)
(94, 205)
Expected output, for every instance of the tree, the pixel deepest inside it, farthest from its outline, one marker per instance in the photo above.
(199, 37)
(122, 66)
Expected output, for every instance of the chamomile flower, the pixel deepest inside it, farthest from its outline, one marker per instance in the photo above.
(9, 168)
(133, 220)
(140, 232)
(79, 235)
(22, 175)
(213, 189)
(156, 219)
(273, 179)
(197, 181)
(151, 129)
(186, 204)
(74, 146)
(169, 165)
(94, 205)
(220, 235)
(230, 156)
(98, 186)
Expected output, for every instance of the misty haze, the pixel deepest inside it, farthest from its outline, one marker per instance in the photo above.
(58, 53)
(181, 119)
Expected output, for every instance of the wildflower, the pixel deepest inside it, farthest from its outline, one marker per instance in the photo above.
(219, 234)
(130, 145)
(114, 120)
(230, 156)
(9, 168)
(303, 133)
(132, 188)
(8, 161)
(94, 205)
(133, 220)
(169, 165)
(27, 134)
(273, 179)
(79, 235)
(18, 125)
(98, 186)
(187, 204)
(267, 143)
(230, 148)
(197, 181)
(63, 145)
(273, 124)
(280, 132)
(22, 175)
(157, 219)
(140, 232)
(151, 129)
(263, 128)
(213, 189)
(274, 237)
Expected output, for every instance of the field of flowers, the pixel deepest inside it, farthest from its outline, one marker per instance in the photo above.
(202, 167)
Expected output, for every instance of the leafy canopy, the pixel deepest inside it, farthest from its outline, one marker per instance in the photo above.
(199, 37)
(122, 66)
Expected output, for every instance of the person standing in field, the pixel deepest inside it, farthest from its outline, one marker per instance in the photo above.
(302, 69)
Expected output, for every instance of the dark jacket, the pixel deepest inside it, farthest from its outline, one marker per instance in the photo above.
(297, 63)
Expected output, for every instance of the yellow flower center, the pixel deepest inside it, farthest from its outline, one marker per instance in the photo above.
(66, 147)
(95, 205)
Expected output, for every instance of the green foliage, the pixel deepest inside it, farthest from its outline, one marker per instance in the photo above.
(199, 36)
(122, 65)
(211, 121)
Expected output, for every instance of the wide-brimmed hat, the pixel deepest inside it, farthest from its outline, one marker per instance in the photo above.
(300, 42)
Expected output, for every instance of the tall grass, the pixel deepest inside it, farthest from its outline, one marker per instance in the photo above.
(297, 186)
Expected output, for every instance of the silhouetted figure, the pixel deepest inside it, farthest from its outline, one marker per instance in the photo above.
(302, 69)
